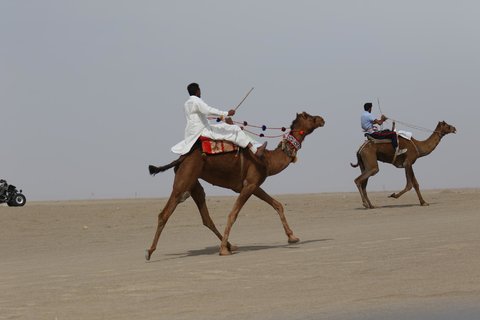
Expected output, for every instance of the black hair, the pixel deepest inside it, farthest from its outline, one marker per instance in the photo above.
(193, 88)
(367, 106)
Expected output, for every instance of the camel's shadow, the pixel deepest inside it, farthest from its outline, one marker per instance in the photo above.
(213, 250)
(392, 206)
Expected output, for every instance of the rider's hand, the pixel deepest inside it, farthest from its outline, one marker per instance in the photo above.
(229, 120)
(384, 117)
(231, 112)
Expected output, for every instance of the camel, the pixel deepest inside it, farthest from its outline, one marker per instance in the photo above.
(243, 173)
(370, 152)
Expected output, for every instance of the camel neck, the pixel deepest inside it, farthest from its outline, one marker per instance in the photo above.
(425, 147)
(277, 160)
(285, 153)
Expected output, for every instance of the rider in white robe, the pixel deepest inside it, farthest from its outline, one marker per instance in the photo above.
(196, 113)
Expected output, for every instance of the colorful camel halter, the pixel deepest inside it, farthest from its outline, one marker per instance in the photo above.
(290, 145)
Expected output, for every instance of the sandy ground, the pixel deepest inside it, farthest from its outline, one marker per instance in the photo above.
(85, 260)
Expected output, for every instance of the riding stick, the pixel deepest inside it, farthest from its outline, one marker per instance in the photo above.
(243, 99)
(379, 108)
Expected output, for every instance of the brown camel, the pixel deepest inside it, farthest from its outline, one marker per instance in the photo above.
(242, 173)
(371, 152)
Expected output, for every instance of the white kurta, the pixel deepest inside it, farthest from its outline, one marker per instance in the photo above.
(196, 112)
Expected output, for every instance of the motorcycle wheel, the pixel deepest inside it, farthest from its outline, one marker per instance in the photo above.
(18, 200)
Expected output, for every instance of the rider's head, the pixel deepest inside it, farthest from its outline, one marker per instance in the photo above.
(194, 89)
(368, 106)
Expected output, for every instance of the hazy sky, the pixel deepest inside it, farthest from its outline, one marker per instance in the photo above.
(91, 92)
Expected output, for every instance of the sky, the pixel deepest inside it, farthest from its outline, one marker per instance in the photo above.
(92, 91)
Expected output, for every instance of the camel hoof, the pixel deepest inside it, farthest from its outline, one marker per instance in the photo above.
(148, 254)
(225, 252)
(293, 239)
(425, 204)
(393, 195)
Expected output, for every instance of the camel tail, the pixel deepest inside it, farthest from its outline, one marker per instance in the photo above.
(153, 170)
(354, 165)
(359, 157)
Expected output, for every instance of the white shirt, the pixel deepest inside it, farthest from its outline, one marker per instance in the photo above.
(196, 112)
(367, 122)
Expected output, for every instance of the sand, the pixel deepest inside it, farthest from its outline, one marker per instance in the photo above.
(85, 259)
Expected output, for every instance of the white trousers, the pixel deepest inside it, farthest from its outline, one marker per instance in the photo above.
(225, 131)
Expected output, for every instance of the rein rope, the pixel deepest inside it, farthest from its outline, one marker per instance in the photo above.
(415, 127)
(244, 124)
(412, 126)
(406, 124)
(285, 133)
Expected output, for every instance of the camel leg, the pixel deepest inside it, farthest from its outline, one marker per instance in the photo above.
(198, 195)
(367, 204)
(368, 169)
(411, 182)
(363, 185)
(361, 182)
(360, 185)
(232, 217)
(261, 194)
(185, 178)
(172, 203)
(408, 186)
(417, 189)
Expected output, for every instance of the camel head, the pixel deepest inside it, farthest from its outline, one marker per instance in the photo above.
(444, 128)
(307, 123)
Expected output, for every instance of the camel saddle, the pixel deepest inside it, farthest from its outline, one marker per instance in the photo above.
(370, 138)
(210, 146)
(401, 134)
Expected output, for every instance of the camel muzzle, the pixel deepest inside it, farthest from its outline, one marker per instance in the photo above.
(320, 121)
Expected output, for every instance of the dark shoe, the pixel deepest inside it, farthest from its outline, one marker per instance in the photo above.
(261, 150)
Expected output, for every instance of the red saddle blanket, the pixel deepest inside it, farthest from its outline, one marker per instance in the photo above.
(210, 146)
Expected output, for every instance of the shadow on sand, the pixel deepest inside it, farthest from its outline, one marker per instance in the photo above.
(392, 206)
(214, 249)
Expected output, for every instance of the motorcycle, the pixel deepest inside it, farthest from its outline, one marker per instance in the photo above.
(10, 195)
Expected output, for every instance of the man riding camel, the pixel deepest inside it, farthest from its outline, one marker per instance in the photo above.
(196, 113)
(368, 123)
